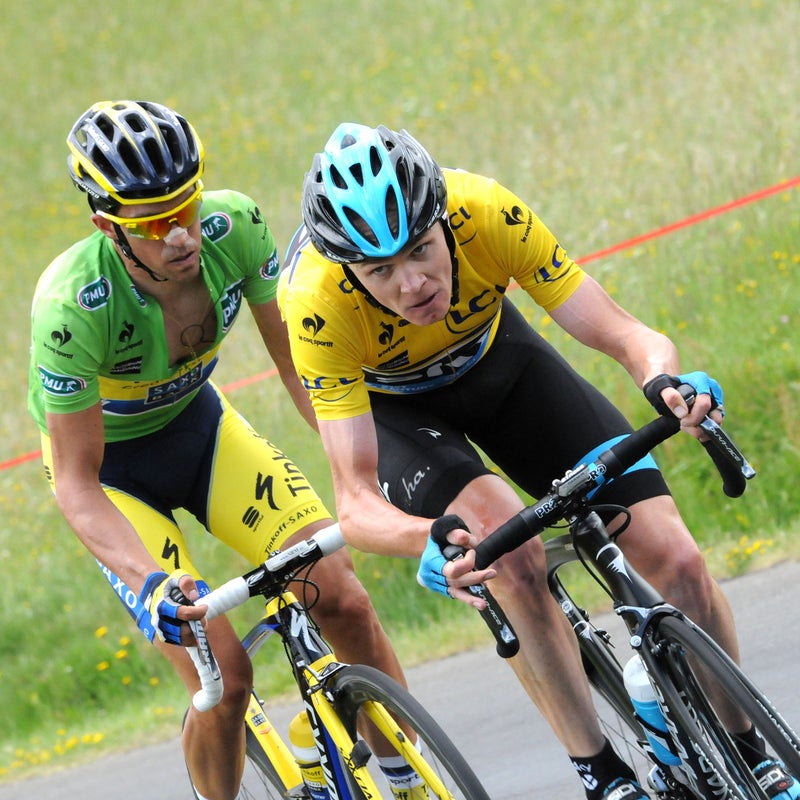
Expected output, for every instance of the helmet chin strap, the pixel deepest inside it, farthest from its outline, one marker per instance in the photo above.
(125, 247)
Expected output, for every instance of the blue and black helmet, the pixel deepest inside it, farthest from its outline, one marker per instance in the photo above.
(370, 192)
(124, 152)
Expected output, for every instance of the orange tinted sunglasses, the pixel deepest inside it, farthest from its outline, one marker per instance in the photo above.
(158, 226)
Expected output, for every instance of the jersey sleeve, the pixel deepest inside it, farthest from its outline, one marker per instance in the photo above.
(67, 348)
(327, 351)
(531, 253)
(235, 224)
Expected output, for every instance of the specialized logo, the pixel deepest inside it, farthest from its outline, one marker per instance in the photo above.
(60, 385)
(216, 226)
(252, 517)
(431, 432)
(171, 552)
(95, 294)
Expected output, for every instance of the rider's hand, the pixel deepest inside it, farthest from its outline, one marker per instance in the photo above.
(662, 393)
(167, 603)
(451, 577)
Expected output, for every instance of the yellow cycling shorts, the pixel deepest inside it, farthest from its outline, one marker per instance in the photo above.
(211, 462)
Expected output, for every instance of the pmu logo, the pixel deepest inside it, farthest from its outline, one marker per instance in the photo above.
(313, 324)
(95, 294)
(61, 385)
(216, 226)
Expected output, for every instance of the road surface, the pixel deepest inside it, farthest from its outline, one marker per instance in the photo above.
(479, 703)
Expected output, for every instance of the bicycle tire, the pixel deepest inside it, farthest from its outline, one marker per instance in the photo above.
(669, 647)
(612, 705)
(260, 781)
(357, 686)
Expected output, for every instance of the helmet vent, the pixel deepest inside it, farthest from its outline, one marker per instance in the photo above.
(338, 181)
(374, 160)
(361, 226)
(392, 212)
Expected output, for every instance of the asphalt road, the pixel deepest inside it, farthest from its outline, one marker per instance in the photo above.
(476, 698)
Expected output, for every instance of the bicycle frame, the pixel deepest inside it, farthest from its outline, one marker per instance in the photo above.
(313, 665)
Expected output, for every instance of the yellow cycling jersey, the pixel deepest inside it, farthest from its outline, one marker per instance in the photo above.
(344, 347)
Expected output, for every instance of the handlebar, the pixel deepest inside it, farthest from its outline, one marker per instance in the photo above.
(575, 486)
(573, 489)
(280, 566)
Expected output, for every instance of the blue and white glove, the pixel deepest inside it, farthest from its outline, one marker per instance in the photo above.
(701, 382)
(430, 573)
(159, 601)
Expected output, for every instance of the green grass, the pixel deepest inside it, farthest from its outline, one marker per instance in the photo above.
(610, 118)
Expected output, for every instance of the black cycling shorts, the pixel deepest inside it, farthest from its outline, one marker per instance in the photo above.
(523, 405)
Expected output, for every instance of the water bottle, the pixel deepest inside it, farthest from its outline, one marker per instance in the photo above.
(305, 752)
(646, 706)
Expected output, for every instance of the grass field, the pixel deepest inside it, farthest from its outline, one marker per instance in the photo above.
(611, 118)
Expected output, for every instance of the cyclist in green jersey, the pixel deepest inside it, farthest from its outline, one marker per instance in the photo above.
(126, 330)
(415, 360)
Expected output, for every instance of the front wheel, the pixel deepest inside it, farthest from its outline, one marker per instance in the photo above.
(363, 696)
(673, 650)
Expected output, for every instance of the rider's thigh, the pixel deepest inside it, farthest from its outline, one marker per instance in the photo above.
(339, 595)
(662, 549)
(233, 663)
(484, 504)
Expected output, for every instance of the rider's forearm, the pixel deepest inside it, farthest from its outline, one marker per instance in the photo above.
(106, 533)
(371, 524)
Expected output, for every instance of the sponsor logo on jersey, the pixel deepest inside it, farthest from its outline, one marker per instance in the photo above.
(271, 267)
(59, 339)
(314, 325)
(95, 294)
(230, 303)
(216, 226)
(60, 385)
(171, 391)
(131, 366)
(125, 338)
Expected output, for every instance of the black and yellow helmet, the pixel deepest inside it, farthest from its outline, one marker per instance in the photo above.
(124, 152)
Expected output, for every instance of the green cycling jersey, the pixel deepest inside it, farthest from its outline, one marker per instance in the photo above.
(96, 337)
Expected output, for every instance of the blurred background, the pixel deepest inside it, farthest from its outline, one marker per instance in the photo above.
(611, 119)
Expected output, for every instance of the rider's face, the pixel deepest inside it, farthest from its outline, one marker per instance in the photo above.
(176, 257)
(417, 282)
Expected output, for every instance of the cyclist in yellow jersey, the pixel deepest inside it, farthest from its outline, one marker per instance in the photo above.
(413, 357)
(126, 330)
